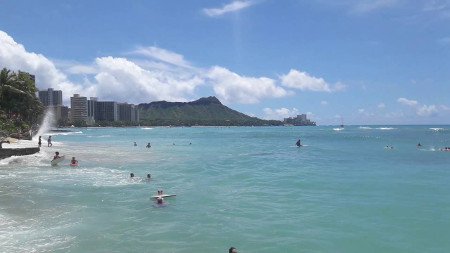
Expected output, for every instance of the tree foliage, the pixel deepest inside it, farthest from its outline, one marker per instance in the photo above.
(20, 109)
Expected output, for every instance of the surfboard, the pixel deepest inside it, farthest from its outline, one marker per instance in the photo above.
(57, 160)
(163, 196)
(74, 164)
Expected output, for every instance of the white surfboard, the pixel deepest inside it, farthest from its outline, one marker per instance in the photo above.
(164, 196)
(57, 160)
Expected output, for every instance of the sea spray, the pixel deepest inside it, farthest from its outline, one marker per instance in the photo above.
(47, 123)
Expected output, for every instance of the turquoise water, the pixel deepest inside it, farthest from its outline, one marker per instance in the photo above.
(248, 187)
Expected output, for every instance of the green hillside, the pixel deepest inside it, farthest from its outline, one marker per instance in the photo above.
(203, 112)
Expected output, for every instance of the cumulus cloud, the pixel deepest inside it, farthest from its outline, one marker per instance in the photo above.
(408, 102)
(323, 102)
(280, 113)
(14, 56)
(228, 8)
(381, 105)
(119, 78)
(303, 81)
(420, 109)
(427, 110)
(232, 87)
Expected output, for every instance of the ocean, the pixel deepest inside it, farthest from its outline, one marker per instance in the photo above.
(247, 187)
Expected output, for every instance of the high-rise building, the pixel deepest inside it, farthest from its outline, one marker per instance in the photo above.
(128, 112)
(106, 111)
(50, 97)
(78, 108)
(92, 106)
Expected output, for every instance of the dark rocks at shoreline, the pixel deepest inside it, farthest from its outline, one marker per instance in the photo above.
(8, 152)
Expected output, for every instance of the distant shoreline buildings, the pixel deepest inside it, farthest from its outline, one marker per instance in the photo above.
(87, 112)
(300, 120)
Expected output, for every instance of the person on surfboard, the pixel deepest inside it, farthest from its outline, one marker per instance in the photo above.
(73, 162)
(56, 155)
(298, 143)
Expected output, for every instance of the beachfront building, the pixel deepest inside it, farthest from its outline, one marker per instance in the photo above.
(300, 120)
(78, 109)
(106, 111)
(128, 112)
(50, 97)
(92, 106)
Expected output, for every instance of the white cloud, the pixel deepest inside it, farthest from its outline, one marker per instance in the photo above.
(163, 55)
(408, 102)
(280, 113)
(14, 56)
(421, 109)
(381, 105)
(427, 110)
(361, 110)
(232, 87)
(124, 80)
(323, 102)
(228, 8)
(303, 81)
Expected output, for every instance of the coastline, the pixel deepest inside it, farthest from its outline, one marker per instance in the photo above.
(8, 152)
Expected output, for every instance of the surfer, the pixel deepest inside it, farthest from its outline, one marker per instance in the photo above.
(73, 162)
(131, 175)
(160, 200)
(40, 141)
(148, 145)
(149, 176)
(135, 144)
(298, 143)
(49, 141)
(56, 155)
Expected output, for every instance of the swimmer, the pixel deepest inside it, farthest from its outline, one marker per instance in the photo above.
(131, 175)
(160, 201)
(148, 145)
(135, 144)
(73, 161)
(419, 145)
(149, 176)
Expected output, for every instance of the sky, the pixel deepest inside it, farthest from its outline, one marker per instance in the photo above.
(358, 62)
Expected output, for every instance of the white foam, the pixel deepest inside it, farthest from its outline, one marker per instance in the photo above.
(365, 128)
(385, 128)
(437, 129)
(338, 129)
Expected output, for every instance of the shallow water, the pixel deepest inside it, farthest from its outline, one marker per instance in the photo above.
(248, 187)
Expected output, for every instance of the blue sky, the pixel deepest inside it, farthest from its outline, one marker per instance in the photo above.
(367, 61)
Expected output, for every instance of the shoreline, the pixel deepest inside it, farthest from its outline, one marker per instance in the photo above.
(9, 152)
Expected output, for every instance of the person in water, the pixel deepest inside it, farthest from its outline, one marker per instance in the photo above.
(40, 141)
(49, 141)
(160, 200)
(73, 161)
(232, 250)
(419, 145)
(56, 155)
(131, 175)
(149, 176)
(148, 145)
(135, 144)
(298, 143)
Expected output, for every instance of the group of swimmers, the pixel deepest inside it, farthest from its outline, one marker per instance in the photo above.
(159, 198)
(73, 162)
(147, 146)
